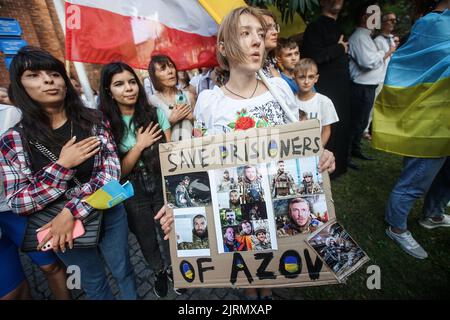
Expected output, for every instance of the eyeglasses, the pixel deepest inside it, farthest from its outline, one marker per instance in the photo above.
(274, 27)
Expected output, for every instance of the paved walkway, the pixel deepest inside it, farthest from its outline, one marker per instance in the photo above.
(40, 290)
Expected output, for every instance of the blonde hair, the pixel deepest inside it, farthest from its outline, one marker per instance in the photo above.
(228, 36)
(304, 65)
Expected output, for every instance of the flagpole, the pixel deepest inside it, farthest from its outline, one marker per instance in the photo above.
(79, 67)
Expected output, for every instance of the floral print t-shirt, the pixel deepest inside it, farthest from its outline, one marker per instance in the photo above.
(215, 113)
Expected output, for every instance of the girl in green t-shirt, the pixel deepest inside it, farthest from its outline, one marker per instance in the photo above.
(138, 128)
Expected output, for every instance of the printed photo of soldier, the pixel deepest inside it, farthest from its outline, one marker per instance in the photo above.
(262, 241)
(230, 244)
(199, 235)
(250, 184)
(229, 200)
(235, 199)
(245, 237)
(254, 211)
(295, 216)
(339, 251)
(308, 186)
(289, 178)
(310, 179)
(230, 217)
(282, 183)
(189, 190)
(227, 180)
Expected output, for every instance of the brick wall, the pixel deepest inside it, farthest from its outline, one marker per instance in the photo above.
(41, 28)
(18, 10)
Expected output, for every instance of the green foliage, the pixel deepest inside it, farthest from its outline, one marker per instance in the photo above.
(309, 10)
(289, 7)
(360, 199)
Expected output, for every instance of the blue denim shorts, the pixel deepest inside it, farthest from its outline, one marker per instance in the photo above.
(11, 272)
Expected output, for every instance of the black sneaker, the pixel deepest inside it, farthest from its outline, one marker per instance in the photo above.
(170, 277)
(160, 284)
(179, 291)
(169, 273)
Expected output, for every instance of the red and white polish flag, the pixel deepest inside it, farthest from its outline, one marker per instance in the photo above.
(103, 31)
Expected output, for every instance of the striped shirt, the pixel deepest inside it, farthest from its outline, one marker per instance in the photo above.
(27, 192)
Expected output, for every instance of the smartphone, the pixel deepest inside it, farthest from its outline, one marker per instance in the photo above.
(78, 231)
(180, 98)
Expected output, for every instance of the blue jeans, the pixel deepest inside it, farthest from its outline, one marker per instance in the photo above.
(420, 176)
(113, 247)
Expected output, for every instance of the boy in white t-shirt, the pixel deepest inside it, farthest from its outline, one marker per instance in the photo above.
(314, 104)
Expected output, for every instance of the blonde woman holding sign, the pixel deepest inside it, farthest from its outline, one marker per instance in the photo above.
(245, 102)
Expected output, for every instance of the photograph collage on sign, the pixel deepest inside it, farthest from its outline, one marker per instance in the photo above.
(191, 229)
(188, 195)
(338, 250)
(298, 198)
(246, 223)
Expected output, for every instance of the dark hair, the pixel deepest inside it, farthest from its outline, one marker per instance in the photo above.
(245, 222)
(199, 216)
(285, 43)
(163, 61)
(144, 113)
(35, 121)
(226, 228)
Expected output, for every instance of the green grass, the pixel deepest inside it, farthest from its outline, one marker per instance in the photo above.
(360, 200)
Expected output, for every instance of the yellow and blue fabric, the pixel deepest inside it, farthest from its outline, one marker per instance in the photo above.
(110, 195)
(218, 9)
(412, 112)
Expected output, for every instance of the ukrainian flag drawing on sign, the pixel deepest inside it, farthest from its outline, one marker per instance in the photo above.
(412, 112)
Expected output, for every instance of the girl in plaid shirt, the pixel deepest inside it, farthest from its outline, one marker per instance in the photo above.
(54, 115)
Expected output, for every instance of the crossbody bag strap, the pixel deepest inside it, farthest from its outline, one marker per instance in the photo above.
(49, 155)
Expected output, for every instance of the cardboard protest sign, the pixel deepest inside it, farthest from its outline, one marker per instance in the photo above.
(244, 205)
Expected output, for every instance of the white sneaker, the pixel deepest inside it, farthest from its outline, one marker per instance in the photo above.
(407, 243)
(429, 223)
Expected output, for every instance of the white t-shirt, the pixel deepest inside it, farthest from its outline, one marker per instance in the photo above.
(195, 80)
(9, 116)
(218, 113)
(384, 44)
(148, 87)
(319, 107)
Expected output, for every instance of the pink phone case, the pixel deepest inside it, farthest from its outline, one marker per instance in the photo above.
(78, 231)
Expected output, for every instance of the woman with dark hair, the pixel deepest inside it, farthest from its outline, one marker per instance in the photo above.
(138, 128)
(53, 116)
(176, 104)
(13, 283)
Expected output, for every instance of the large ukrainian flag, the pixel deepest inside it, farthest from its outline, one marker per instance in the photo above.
(412, 112)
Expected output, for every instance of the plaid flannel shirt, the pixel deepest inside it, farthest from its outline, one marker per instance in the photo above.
(28, 192)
